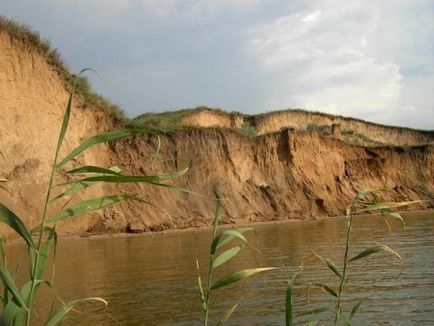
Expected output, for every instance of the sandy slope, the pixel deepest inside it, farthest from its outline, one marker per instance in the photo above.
(281, 174)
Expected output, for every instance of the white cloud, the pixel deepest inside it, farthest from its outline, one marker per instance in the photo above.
(320, 54)
(373, 60)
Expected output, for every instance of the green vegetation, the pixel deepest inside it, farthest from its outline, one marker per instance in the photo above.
(41, 241)
(323, 130)
(169, 121)
(365, 202)
(429, 133)
(352, 137)
(221, 239)
(248, 129)
(33, 41)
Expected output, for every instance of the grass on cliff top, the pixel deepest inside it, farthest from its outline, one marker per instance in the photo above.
(345, 118)
(171, 121)
(33, 41)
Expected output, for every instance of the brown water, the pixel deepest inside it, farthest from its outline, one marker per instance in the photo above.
(151, 279)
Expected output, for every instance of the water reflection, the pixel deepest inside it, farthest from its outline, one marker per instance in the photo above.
(151, 279)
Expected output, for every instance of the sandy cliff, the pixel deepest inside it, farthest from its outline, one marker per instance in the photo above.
(280, 174)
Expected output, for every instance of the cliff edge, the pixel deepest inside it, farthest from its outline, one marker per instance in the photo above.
(276, 166)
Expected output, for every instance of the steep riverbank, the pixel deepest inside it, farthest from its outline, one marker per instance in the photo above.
(286, 171)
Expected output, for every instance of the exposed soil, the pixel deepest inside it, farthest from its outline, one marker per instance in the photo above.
(282, 174)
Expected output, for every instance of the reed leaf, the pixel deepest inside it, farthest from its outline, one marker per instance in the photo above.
(45, 252)
(9, 217)
(93, 205)
(80, 185)
(65, 121)
(326, 289)
(229, 235)
(152, 179)
(225, 256)
(214, 243)
(199, 283)
(330, 264)
(238, 276)
(355, 309)
(94, 169)
(228, 314)
(102, 138)
(9, 284)
(387, 205)
(12, 313)
(288, 300)
(373, 250)
(57, 317)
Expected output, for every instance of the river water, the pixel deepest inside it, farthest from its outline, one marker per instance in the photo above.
(152, 279)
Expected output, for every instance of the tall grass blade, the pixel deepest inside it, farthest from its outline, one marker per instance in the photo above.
(65, 121)
(288, 300)
(355, 308)
(228, 314)
(330, 264)
(199, 283)
(238, 276)
(45, 252)
(373, 250)
(9, 217)
(225, 256)
(57, 317)
(10, 285)
(152, 179)
(102, 138)
(93, 205)
(12, 313)
(387, 205)
(326, 289)
(392, 213)
(229, 235)
(78, 186)
(93, 169)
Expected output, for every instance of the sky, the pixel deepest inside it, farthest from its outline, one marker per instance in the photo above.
(367, 59)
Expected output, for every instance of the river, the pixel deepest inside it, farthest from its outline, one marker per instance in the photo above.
(151, 279)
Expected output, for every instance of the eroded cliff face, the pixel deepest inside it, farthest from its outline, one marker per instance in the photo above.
(32, 103)
(279, 175)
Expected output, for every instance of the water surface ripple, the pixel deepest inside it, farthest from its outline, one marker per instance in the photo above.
(151, 279)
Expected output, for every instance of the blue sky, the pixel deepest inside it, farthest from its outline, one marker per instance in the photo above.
(368, 59)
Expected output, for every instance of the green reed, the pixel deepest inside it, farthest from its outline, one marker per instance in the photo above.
(364, 202)
(217, 259)
(17, 302)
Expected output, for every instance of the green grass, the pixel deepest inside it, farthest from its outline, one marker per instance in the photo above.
(355, 138)
(323, 130)
(217, 258)
(168, 121)
(33, 41)
(248, 129)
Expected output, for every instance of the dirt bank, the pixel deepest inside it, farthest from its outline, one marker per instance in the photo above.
(280, 174)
